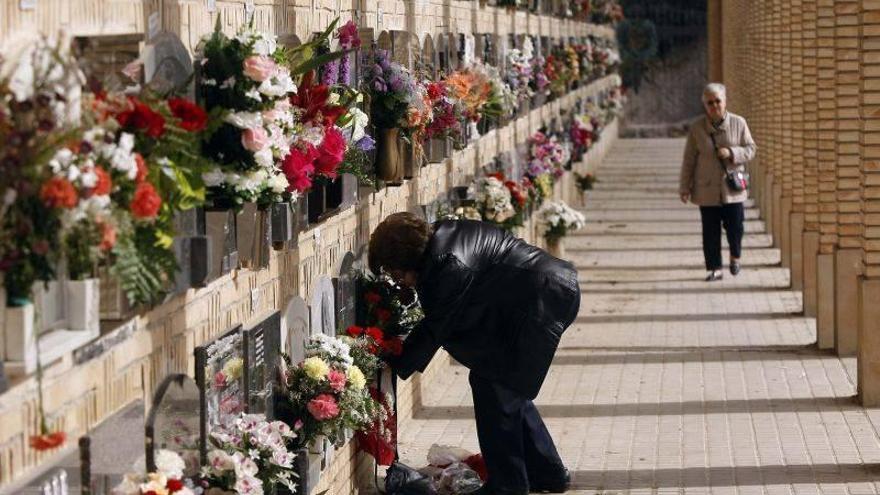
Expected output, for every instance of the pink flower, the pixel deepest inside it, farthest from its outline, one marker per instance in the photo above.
(219, 380)
(298, 424)
(259, 67)
(255, 139)
(348, 36)
(337, 380)
(332, 152)
(323, 407)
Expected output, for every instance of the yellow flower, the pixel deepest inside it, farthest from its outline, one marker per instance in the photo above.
(316, 368)
(232, 369)
(356, 378)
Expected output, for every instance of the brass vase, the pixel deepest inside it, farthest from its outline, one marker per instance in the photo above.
(389, 162)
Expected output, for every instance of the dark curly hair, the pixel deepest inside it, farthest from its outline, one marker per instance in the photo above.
(399, 243)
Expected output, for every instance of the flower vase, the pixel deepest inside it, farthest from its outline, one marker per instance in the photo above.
(389, 165)
(317, 445)
(556, 247)
(83, 304)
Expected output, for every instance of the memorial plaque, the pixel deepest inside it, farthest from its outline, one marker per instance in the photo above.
(322, 310)
(220, 377)
(192, 249)
(345, 292)
(167, 65)
(173, 422)
(283, 224)
(253, 236)
(261, 346)
(295, 328)
(220, 229)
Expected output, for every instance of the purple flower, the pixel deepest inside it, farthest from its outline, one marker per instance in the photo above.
(344, 70)
(330, 75)
(366, 143)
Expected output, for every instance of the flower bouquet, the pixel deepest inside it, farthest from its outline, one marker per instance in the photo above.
(606, 11)
(493, 201)
(399, 108)
(447, 119)
(326, 393)
(168, 478)
(249, 457)
(585, 182)
(245, 86)
(559, 219)
(387, 306)
(519, 72)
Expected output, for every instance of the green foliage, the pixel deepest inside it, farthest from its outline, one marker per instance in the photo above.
(143, 266)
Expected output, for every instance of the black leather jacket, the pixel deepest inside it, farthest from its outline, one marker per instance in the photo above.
(497, 304)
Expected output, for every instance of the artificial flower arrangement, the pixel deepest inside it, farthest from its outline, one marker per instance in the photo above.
(584, 53)
(386, 305)
(397, 99)
(559, 219)
(168, 479)
(582, 133)
(245, 86)
(519, 71)
(249, 456)
(493, 201)
(540, 83)
(614, 104)
(446, 119)
(326, 393)
(606, 58)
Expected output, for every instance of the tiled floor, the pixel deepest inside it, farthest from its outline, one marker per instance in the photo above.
(667, 384)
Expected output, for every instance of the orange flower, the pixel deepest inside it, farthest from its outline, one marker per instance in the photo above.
(58, 193)
(47, 441)
(108, 237)
(142, 168)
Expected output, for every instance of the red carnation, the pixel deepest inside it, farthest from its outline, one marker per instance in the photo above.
(192, 117)
(375, 333)
(104, 184)
(354, 331)
(372, 298)
(298, 168)
(141, 116)
(146, 201)
(174, 485)
(332, 152)
(58, 193)
(47, 441)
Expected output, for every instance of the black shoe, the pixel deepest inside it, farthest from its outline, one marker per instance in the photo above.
(714, 275)
(486, 490)
(735, 268)
(559, 486)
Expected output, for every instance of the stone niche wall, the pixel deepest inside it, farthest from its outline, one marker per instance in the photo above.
(82, 389)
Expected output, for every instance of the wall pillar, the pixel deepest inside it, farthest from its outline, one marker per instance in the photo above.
(715, 35)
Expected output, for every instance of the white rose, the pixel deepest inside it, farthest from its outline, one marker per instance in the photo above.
(244, 120)
(278, 183)
(214, 177)
(170, 464)
(264, 158)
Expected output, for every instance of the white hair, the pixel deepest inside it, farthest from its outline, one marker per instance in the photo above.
(715, 89)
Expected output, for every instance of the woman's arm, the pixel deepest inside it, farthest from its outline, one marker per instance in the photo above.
(688, 164)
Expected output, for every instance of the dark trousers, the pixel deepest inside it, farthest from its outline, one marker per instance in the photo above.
(731, 216)
(515, 444)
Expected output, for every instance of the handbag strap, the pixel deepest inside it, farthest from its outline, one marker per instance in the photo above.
(715, 147)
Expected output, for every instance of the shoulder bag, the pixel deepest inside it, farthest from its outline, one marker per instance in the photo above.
(737, 180)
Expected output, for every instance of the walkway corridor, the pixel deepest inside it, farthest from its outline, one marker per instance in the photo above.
(667, 384)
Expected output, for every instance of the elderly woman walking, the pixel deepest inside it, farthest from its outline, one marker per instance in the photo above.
(713, 177)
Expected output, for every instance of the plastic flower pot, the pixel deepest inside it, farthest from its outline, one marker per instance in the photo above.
(556, 246)
(389, 164)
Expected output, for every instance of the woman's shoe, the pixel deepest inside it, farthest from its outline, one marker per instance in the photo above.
(559, 486)
(735, 268)
(714, 275)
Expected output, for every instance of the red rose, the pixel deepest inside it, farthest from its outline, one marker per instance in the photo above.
(192, 117)
(354, 331)
(142, 168)
(331, 153)
(174, 485)
(141, 116)
(383, 315)
(146, 202)
(58, 193)
(47, 441)
(375, 333)
(104, 184)
(298, 168)
(372, 298)
(393, 346)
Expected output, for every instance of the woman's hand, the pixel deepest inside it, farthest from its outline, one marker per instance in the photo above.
(685, 197)
(724, 153)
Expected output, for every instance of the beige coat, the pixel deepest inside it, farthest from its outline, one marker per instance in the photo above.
(701, 175)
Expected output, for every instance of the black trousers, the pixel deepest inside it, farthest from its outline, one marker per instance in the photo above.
(731, 216)
(515, 444)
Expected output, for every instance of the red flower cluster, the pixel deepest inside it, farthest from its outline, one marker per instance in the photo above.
(298, 166)
(518, 193)
(312, 99)
(104, 184)
(379, 344)
(331, 153)
(47, 441)
(146, 201)
(140, 116)
(192, 117)
(58, 193)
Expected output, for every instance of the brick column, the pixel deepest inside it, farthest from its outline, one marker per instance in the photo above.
(797, 153)
(849, 253)
(811, 155)
(784, 120)
(827, 167)
(869, 285)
